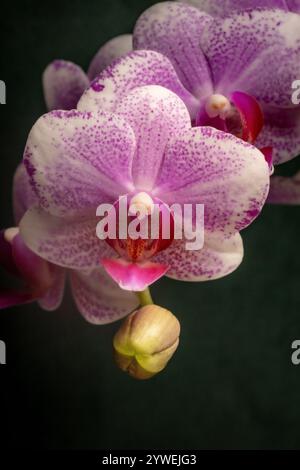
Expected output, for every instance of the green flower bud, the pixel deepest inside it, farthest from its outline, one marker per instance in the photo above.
(146, 341)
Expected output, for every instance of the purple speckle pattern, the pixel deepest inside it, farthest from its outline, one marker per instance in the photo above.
(77, 160)
(63, 84)
(139, 68)
(99, 298)
(219, 257)
(210, 167)
(175, 30)
(257, 52)
(81, 159)
(23, 195)
(23, 198)
(226, 7)
(57, 240)
(284, 140)
(254, 51)
(70, 243)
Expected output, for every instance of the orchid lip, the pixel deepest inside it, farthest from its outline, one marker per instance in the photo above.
(133, 218)
(240, 115)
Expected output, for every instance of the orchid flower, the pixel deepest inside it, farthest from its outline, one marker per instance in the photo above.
(229, 72)
(64, 82)
(225, 7)
(97, 297)
(283, 190)
(147, 150)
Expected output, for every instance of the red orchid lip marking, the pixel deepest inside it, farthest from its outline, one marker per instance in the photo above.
(140, 210)
(252, 118)
(133, 270)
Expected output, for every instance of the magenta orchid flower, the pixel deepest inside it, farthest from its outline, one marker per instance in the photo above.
(283, 190)
(225, 7)
(229, 72)
(233, 68)
(146, 150)
(97, 297)
(64, 82)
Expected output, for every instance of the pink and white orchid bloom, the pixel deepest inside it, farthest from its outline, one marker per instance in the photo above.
(228, 71)
(283, 190)
(64, 82)
(97, 297)
(235, 59)
(79, 159)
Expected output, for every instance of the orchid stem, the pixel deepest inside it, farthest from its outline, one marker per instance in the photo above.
(145, 297)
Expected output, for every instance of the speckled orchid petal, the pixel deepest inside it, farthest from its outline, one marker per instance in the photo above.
(139, 68)
(99, 299)
(23, 195)
(156, 115)
(52, 299)
(219, 257)
(282, 132)
(285, 190)
(113, 49)
(67, 242)
(210, 167)
(63, 84)
(77, 160)
(243, 57)
(134, 276)
(225, 7)
(175, 30)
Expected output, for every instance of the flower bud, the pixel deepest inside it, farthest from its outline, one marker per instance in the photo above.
(146, 341)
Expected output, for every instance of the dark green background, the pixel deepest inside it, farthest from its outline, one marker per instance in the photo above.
(230, 385)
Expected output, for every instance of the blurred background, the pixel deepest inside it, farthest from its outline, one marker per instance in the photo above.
(231, 384)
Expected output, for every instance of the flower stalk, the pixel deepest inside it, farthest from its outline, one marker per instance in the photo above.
(145, 297)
